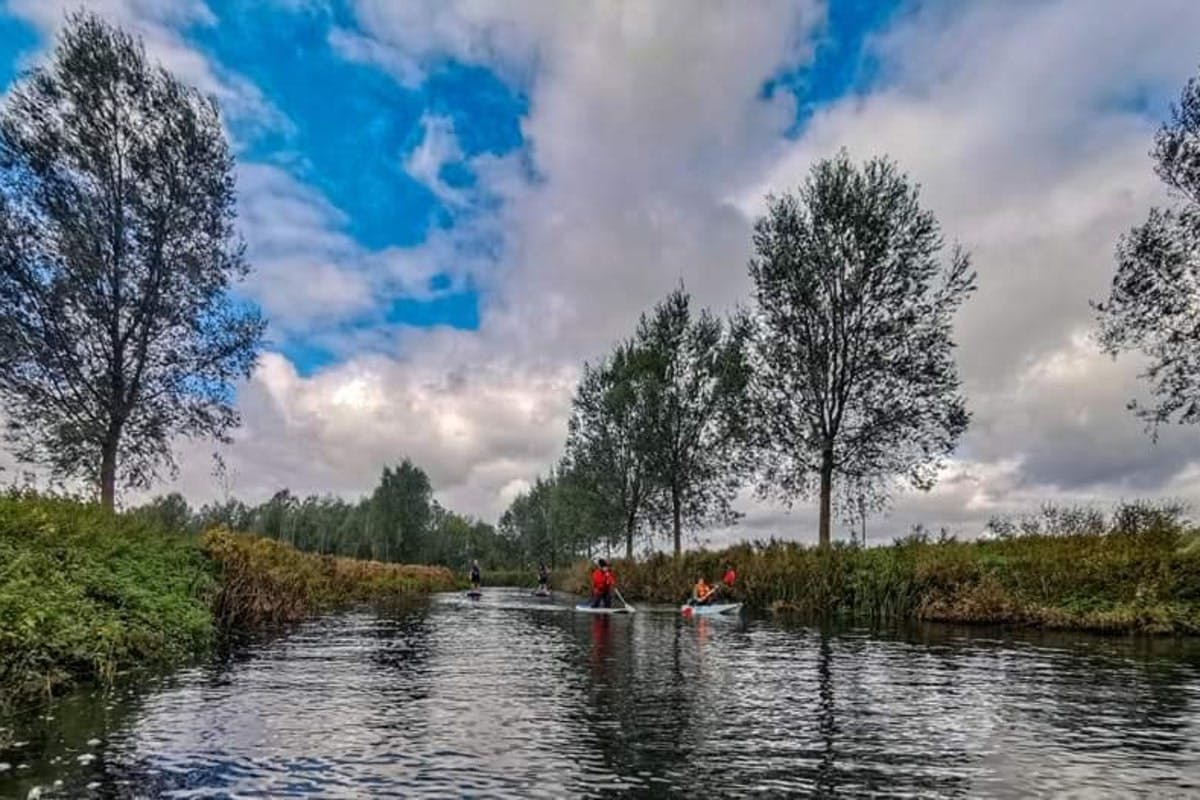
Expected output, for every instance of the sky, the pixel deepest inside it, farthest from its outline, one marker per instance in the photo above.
(450, 205)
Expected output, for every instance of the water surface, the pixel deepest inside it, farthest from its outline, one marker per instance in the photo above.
(512, 696)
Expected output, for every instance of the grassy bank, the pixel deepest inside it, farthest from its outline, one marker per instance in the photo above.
(86, 594)
(1140, 577)
(264, 582)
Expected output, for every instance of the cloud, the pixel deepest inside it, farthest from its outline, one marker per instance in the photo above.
(159, 23)
(651, 146)
(438, 148)
(334, 432)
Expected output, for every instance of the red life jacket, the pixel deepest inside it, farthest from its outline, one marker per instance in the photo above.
(598, 581)
(730, 577)
(610, 580)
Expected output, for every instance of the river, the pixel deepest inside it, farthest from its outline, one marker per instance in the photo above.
(511, 696)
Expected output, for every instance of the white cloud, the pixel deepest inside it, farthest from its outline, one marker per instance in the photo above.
(1022, 121)
(438, 148)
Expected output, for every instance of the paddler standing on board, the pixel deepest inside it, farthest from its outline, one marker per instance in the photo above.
(603, 582)
(476, 576)
(543, 578)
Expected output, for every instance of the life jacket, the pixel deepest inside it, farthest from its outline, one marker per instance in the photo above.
(599, 582)
(702, 589)
(610, 580)
(730, 577)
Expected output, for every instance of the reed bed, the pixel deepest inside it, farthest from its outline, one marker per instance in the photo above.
(267, 582)
(1144, 578)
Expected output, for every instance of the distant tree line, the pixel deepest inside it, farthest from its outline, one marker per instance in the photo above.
(399, 521)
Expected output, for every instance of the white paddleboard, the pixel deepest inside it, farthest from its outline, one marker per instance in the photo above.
(713, 610)
(584, 608)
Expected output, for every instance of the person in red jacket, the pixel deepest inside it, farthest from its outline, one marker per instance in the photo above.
(603, 582)
(727, 580)
(730, 576)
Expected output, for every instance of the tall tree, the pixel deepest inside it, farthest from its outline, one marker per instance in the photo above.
(607, 435)
(1154, 303)
(853, 351)
(401, 513)
(696, 380)
(118, 252)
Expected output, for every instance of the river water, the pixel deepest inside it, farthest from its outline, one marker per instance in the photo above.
(511, 696)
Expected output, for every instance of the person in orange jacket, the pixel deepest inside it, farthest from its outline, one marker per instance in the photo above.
(603, 582)
(702, 593)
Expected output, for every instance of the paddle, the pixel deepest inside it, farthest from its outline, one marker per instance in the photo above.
(617, 592)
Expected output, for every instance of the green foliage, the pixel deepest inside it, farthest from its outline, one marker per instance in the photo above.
(399, 521)
(854, 374)
(608, 442)
(694, 375)
(1152, 307)
(560, 518)
(1120, 577)
(118, 259)
(84, 593)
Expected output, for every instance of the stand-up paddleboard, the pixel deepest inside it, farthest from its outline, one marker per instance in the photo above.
(474, 594)
(540, 593)
(713, 610)
(584, 608)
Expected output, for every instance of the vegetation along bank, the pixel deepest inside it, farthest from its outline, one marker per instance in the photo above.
(86, 593)
(1137, 571)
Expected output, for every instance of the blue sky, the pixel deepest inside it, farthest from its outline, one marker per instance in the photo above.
(345, 128)
(450, 204)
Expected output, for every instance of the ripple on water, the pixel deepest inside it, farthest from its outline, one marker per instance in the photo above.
(506, 697)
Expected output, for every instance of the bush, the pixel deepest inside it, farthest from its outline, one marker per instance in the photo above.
(84, 593)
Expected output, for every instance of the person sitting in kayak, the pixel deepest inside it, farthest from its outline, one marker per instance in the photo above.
(476, 576)
(728, 579)
(603, 582)
(543, 578)
(703, 593)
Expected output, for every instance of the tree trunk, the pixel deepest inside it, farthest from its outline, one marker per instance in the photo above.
(826, 492)
(676, 515)
(108, 471)
(629, 537)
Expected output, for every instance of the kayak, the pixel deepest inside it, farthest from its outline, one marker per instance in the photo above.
(584, 608)
(713, 610)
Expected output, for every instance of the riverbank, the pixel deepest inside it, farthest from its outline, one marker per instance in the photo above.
(1130, 578)
(86, 594)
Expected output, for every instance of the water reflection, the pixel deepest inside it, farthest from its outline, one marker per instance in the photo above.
(510, 698)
